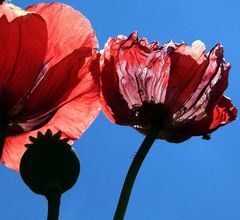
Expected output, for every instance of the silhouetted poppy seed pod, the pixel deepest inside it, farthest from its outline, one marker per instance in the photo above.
(49, 162)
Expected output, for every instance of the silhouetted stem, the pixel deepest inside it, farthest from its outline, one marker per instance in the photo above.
(53, 196)
(132, 173)
(3, 128)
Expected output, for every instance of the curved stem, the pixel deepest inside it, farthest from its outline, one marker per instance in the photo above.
(53, 196)
(132, 173)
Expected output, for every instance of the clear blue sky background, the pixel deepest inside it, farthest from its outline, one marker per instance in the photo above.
(195, 180)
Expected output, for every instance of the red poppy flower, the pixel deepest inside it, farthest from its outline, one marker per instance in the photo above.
(47, 59)
(177, 88)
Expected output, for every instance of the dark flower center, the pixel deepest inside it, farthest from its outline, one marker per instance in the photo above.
(153, 114)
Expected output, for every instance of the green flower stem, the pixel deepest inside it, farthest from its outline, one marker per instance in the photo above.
(132, 173)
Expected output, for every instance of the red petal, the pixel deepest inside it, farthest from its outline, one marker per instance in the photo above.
(72, 48)
(223, 113)
(135, 76)
(188, 65)
(142, 70)
(11, 11)
(61, 84)
(138, 72)
(72, 119)
(19, 62)
(209, 90)
(66, 92)
(78, 108)
(67, 28)
(113, 104)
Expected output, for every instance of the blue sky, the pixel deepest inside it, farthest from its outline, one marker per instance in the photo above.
(194, 180)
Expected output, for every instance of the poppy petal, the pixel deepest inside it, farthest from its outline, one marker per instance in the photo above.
(20, 39)
(11, 11)
(58, 84)
(188, 65)
(72, 115)
(182, 94)
(139, 77)
(210, 89)
(223, 113)
(61, 84)
(67, 29)
(64, 94)
(72, 119)
(113, 103)
(138, 72)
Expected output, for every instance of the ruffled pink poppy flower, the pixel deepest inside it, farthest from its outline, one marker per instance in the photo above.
(174, 87)
(48, 58)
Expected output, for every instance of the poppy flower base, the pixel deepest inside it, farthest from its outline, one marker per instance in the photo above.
(50, 167)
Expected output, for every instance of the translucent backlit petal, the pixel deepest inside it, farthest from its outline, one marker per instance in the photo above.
(11, 11)
(19, 62)
(67, 28)
(139, 72)
(176, 87)
(56, 87)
